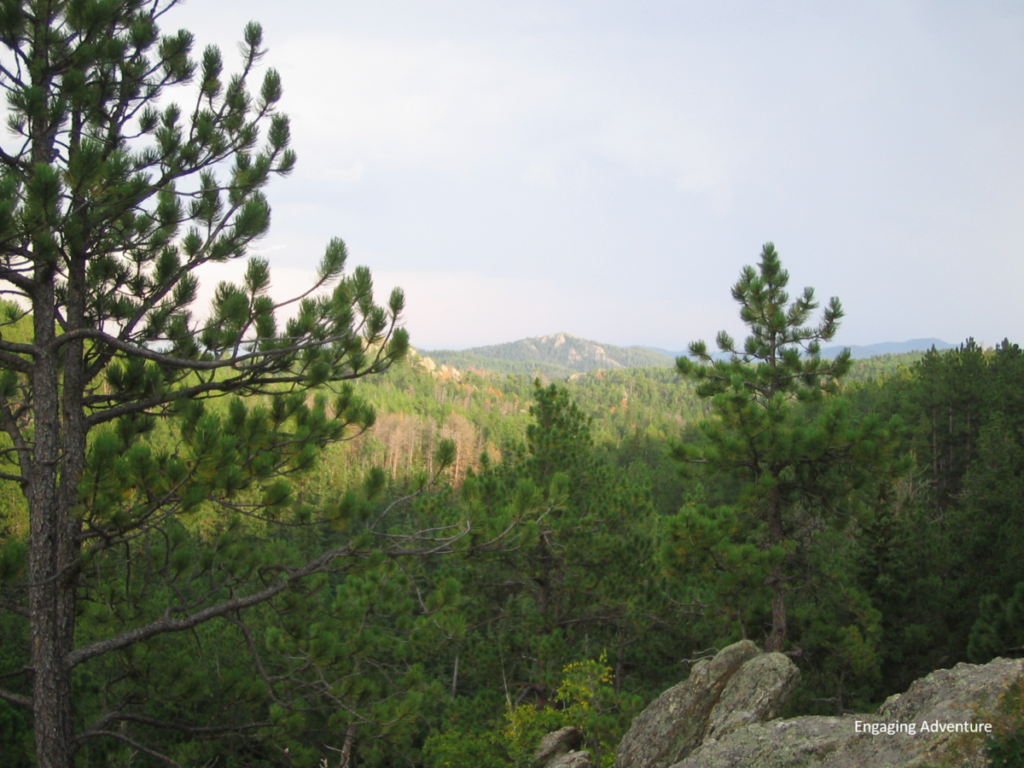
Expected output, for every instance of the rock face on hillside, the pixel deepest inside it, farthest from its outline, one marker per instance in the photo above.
(722, 717)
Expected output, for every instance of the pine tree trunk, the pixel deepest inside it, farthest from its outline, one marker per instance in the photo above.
(52, 632)
(57, 460)
(775, 578)
(778, 635)
(44, 461)
(52, 556)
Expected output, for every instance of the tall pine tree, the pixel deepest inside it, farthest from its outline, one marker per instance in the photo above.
(112, 196)
(778, 426)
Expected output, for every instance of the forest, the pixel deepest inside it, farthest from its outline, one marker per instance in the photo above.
(597, 568)
(270, 534)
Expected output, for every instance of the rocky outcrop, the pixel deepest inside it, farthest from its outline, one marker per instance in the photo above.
(722, 717)
(444, 372)
(738, 686)
(755, 693)
(919, 728)
(797, 742)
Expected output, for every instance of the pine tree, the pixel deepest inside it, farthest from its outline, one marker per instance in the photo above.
(577, 579)
(777, 425)
(112, 196)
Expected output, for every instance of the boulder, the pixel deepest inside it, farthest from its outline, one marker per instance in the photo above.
(738, 686)
(573, 760)
(556, 744)
(756, 692)
(959, 695)
(797, 742)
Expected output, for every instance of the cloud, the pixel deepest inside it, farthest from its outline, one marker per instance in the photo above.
(368, 104)
(466, 309)
(389, 103)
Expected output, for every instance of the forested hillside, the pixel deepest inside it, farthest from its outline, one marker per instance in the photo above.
(558, 355)
(900, 584)
(419, 404)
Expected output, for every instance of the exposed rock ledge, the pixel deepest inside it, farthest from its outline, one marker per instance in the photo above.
(722, 716)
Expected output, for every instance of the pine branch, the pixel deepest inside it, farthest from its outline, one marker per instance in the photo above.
(129, 717)
(81, 739)
(169, 625)
(21, 610)
(16, 698)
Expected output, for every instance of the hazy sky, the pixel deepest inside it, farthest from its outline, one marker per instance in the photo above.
(606, 169)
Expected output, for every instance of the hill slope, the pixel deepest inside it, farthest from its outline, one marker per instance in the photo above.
(557, 355)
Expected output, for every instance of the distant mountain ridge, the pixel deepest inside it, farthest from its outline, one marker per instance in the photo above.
(561, 355)
(887, 348)
(859, 352)
(557, 355)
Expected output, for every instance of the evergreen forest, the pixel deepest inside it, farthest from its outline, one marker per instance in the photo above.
(596, 569)
(274, 535)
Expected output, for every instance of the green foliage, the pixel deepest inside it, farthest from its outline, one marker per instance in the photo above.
(999, 628)
(525, 726)
(837, 630)
(591, 703)
(564, 581)
(951, 533)
(15, 724)
(585, 699)
(721, 571)
(454, 748)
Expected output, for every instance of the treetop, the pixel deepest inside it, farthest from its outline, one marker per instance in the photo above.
(782, 351)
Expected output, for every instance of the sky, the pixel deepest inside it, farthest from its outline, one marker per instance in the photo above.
(606, 169)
